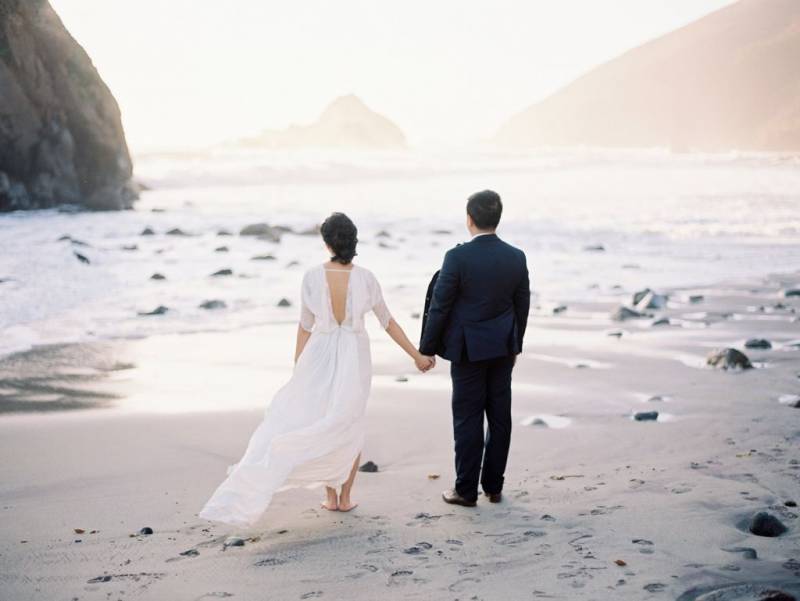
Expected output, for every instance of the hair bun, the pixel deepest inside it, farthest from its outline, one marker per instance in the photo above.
(341, 236)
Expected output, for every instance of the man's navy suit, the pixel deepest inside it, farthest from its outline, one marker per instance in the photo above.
(477, 318)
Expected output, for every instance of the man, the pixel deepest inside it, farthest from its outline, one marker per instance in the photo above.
(476, 320)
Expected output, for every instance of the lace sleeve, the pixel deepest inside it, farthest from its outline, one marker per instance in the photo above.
(306, 315)
(379, 305)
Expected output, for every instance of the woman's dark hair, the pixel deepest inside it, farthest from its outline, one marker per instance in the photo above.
(341, 235)
(485, 209)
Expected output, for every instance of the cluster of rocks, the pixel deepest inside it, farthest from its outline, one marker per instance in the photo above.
(641, 303)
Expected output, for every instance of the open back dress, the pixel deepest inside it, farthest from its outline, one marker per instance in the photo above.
(314, 428)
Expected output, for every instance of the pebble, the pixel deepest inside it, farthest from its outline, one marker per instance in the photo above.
(758, 343)
(728, 358)
(160, 310)
(559, 309)
(176, 231)
(222, 272)
(224, 233)
(624, 313)
(212, 304)
(368, 467)
(284, 302)
(146, 530)
(766, 524)
(401, 379)
(263, 258)
(233, 541)
(158, 276)
(82, 258)
(221, 249)
(147, 232)
(643, 416)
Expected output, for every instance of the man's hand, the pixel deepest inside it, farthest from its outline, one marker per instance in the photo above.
(424, 362)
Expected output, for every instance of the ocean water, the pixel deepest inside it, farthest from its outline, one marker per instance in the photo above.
(663, 220)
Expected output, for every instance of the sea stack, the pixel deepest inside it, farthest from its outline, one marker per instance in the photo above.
(346, 123)
(61, 137)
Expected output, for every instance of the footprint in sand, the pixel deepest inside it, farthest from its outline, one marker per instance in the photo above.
(463, 584)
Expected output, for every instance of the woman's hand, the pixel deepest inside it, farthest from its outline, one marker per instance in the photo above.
(424, 362)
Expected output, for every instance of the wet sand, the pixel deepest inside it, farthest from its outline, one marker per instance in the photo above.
(597, 505)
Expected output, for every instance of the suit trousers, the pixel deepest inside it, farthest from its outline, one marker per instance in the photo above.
(481, 387)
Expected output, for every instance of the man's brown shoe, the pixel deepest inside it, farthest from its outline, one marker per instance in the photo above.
(452, 497)
(494, 497)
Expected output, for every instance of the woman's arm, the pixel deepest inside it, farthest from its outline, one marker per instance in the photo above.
(302, 337)
(397, 334)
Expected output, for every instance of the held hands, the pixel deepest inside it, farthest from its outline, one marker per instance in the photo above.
(424, 362)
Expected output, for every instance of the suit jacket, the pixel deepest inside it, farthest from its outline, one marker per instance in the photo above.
(479, 304)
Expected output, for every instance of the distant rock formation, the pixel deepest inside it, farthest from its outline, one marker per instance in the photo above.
(346, 122)
(61, 138)
(727, 81)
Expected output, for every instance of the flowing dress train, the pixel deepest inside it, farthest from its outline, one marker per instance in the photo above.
(314, 428)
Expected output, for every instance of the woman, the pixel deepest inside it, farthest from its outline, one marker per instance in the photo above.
(313, 431)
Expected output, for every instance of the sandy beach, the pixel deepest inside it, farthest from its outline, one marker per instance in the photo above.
(598, 505)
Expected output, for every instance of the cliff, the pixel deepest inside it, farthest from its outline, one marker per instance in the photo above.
(61, 138)
(727, 81)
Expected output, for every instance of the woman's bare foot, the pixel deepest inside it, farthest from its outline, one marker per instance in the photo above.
(332, 502)
(344, 496)
(346, 505)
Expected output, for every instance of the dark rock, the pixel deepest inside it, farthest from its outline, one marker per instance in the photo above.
(61, 138)
(160, 310)
(158, 276)
(221, 249)
(148, 231)
(105, 578)
(758, 343)
(596, 248)
(176, 231)
(222, 273)
(416, 315)
(263, 258)
(190, 553)
(728, 358)
(649, 299)
(401, 379)
(656, 399)
(368, 467)
(791, 292)
(77, 242)
(82, 258)
(383, 234)
(284, 302)
(212, 304)
(130, 247)
(263, 231)
(623, 313)
(766, 524)
(776, 595)
(224, 233)
(663, 321)
(146, 530)
(559, 309)
(645, 416)
(615, 333)
(233, 541)
(790, 503)
(696, 298)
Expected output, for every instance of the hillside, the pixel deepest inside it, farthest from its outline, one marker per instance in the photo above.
(730, 80)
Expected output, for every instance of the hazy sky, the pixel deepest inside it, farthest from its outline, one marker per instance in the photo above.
(192, 72)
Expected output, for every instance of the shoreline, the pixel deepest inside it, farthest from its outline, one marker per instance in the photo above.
(593, 486)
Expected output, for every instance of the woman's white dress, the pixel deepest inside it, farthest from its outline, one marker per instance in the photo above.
(314, 428)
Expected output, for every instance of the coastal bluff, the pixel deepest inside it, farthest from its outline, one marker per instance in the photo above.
(728, 81)
(61, 137)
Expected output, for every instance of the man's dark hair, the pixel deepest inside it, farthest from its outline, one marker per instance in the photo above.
(485, 209)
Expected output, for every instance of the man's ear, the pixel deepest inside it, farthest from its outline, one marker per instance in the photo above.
(470, 223)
